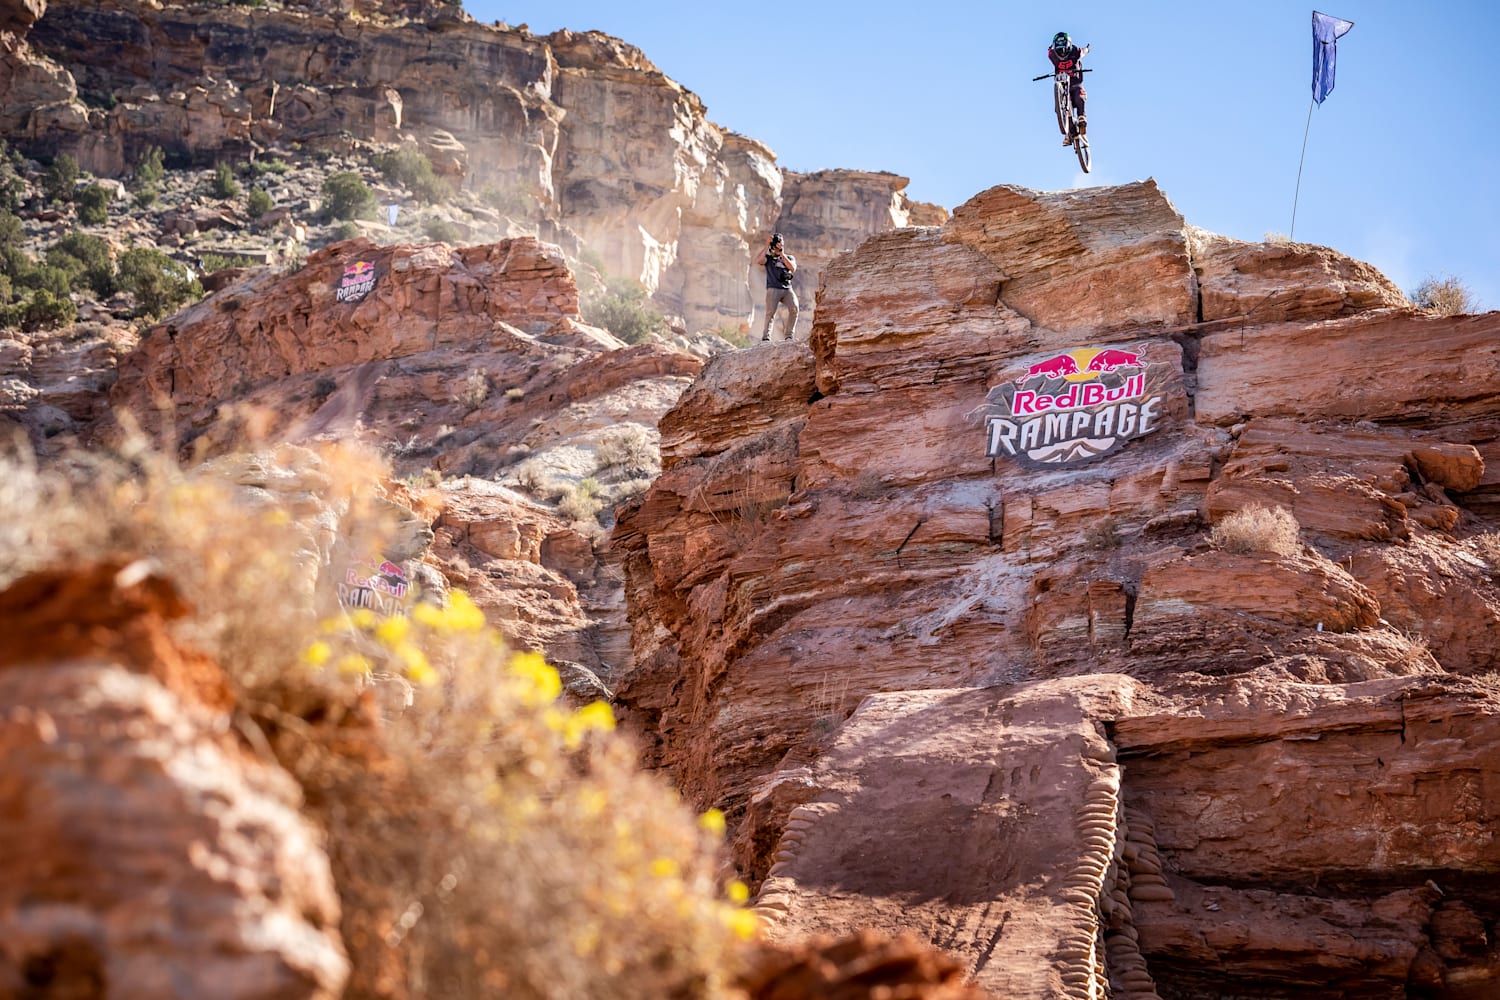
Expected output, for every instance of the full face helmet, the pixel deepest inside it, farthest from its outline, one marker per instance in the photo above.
(1061, 41)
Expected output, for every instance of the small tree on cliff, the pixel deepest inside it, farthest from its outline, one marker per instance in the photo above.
(60, 178)
(159, 283)
(346, 196)
(623, 309)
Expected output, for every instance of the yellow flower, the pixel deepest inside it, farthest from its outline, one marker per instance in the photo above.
(540, 683)
(596, 715)
(317, 654)
(713, 822)
(743, 923)
(418, 670)
(391, 631)
(462, 615)
(738, 891)
(591, 802)
(363, 618)
(278, 518)
(429, 615)
(664, 868)
(353, 663)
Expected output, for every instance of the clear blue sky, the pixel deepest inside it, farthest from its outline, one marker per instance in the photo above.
(1211, 99)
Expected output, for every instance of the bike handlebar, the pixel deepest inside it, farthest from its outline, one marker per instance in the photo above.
(1048, 76)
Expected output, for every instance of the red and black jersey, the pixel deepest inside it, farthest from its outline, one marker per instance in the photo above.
(1066, 59)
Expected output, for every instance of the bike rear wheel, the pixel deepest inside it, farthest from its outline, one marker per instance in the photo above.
(1081, 147)
(1063, 104)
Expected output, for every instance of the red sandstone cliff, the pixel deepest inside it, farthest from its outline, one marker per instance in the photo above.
(962, 661)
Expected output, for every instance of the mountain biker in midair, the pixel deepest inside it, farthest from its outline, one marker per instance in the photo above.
(1068, 57)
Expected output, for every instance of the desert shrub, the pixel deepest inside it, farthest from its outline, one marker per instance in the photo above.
(258, 203)
(628, 451)
(1488, 546)
(12, 232)
(624, 311)
(159, 283)
(224, 185)
(1258, 529)
(474, 390)
(45, 311)
(1446, 296)
(87, 261)
(144, 197)
(269, 165)
(93, 205)
(47, 278)
(486, 838)
(12, 187)
(212, 262)
(510, 199)
(150, 167)
(346, 196)
(61, 177)
(411, 169)
(581, 503)
(441, 231)
(345, 230)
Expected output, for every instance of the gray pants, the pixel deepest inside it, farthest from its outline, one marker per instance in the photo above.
(774, 297)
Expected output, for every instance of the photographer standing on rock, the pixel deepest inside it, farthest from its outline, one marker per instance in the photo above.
(780, 266)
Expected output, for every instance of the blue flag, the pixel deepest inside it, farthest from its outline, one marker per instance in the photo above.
(1326, 34)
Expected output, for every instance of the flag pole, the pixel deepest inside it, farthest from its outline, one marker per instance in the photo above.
(1298, 193)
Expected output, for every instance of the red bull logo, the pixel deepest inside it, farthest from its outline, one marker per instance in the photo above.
(357, 281)
(1079, 405)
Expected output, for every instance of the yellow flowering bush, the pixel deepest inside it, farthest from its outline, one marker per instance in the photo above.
(489, 839)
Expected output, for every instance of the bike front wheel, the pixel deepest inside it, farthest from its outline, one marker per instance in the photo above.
(1081, 147)
(1063, 104)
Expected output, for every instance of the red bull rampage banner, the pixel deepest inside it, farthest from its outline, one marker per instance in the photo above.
(358, 280)
(1074, 407)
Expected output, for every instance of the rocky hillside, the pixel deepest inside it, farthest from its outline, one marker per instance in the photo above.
(1113, 603)
(575, 138)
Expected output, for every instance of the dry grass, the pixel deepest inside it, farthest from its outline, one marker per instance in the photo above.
(1258, 529)
(582, 503)
(487, 839)
(474, 390)
(1487, 546)
(629, 451)
(1446, 296)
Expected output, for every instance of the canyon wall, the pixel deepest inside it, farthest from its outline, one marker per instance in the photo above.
(947, 611)
(576, 134)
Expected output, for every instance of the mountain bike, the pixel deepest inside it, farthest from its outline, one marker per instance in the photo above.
(1067, 115)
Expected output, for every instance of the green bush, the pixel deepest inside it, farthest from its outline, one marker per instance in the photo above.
(47, 278)
(346, 196)
(408, 167)
(150, 168)
(258, 203)
(16, 263)
(159, 283)
(87, 261)
(224, 184)
(12, 232)
(343, 231)
(624, 311)
(270, 165)
(217, 262)
(93, 205)
(12, 187)
(60, 178)
(44, 311)
(144, 197)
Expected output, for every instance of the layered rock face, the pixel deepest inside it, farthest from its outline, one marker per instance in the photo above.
(454, 362)
(147, 852)
(576, 133)
(932, 607)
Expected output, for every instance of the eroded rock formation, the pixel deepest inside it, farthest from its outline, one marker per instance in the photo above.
(577, 133)
(931, 607)
(147, 852)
